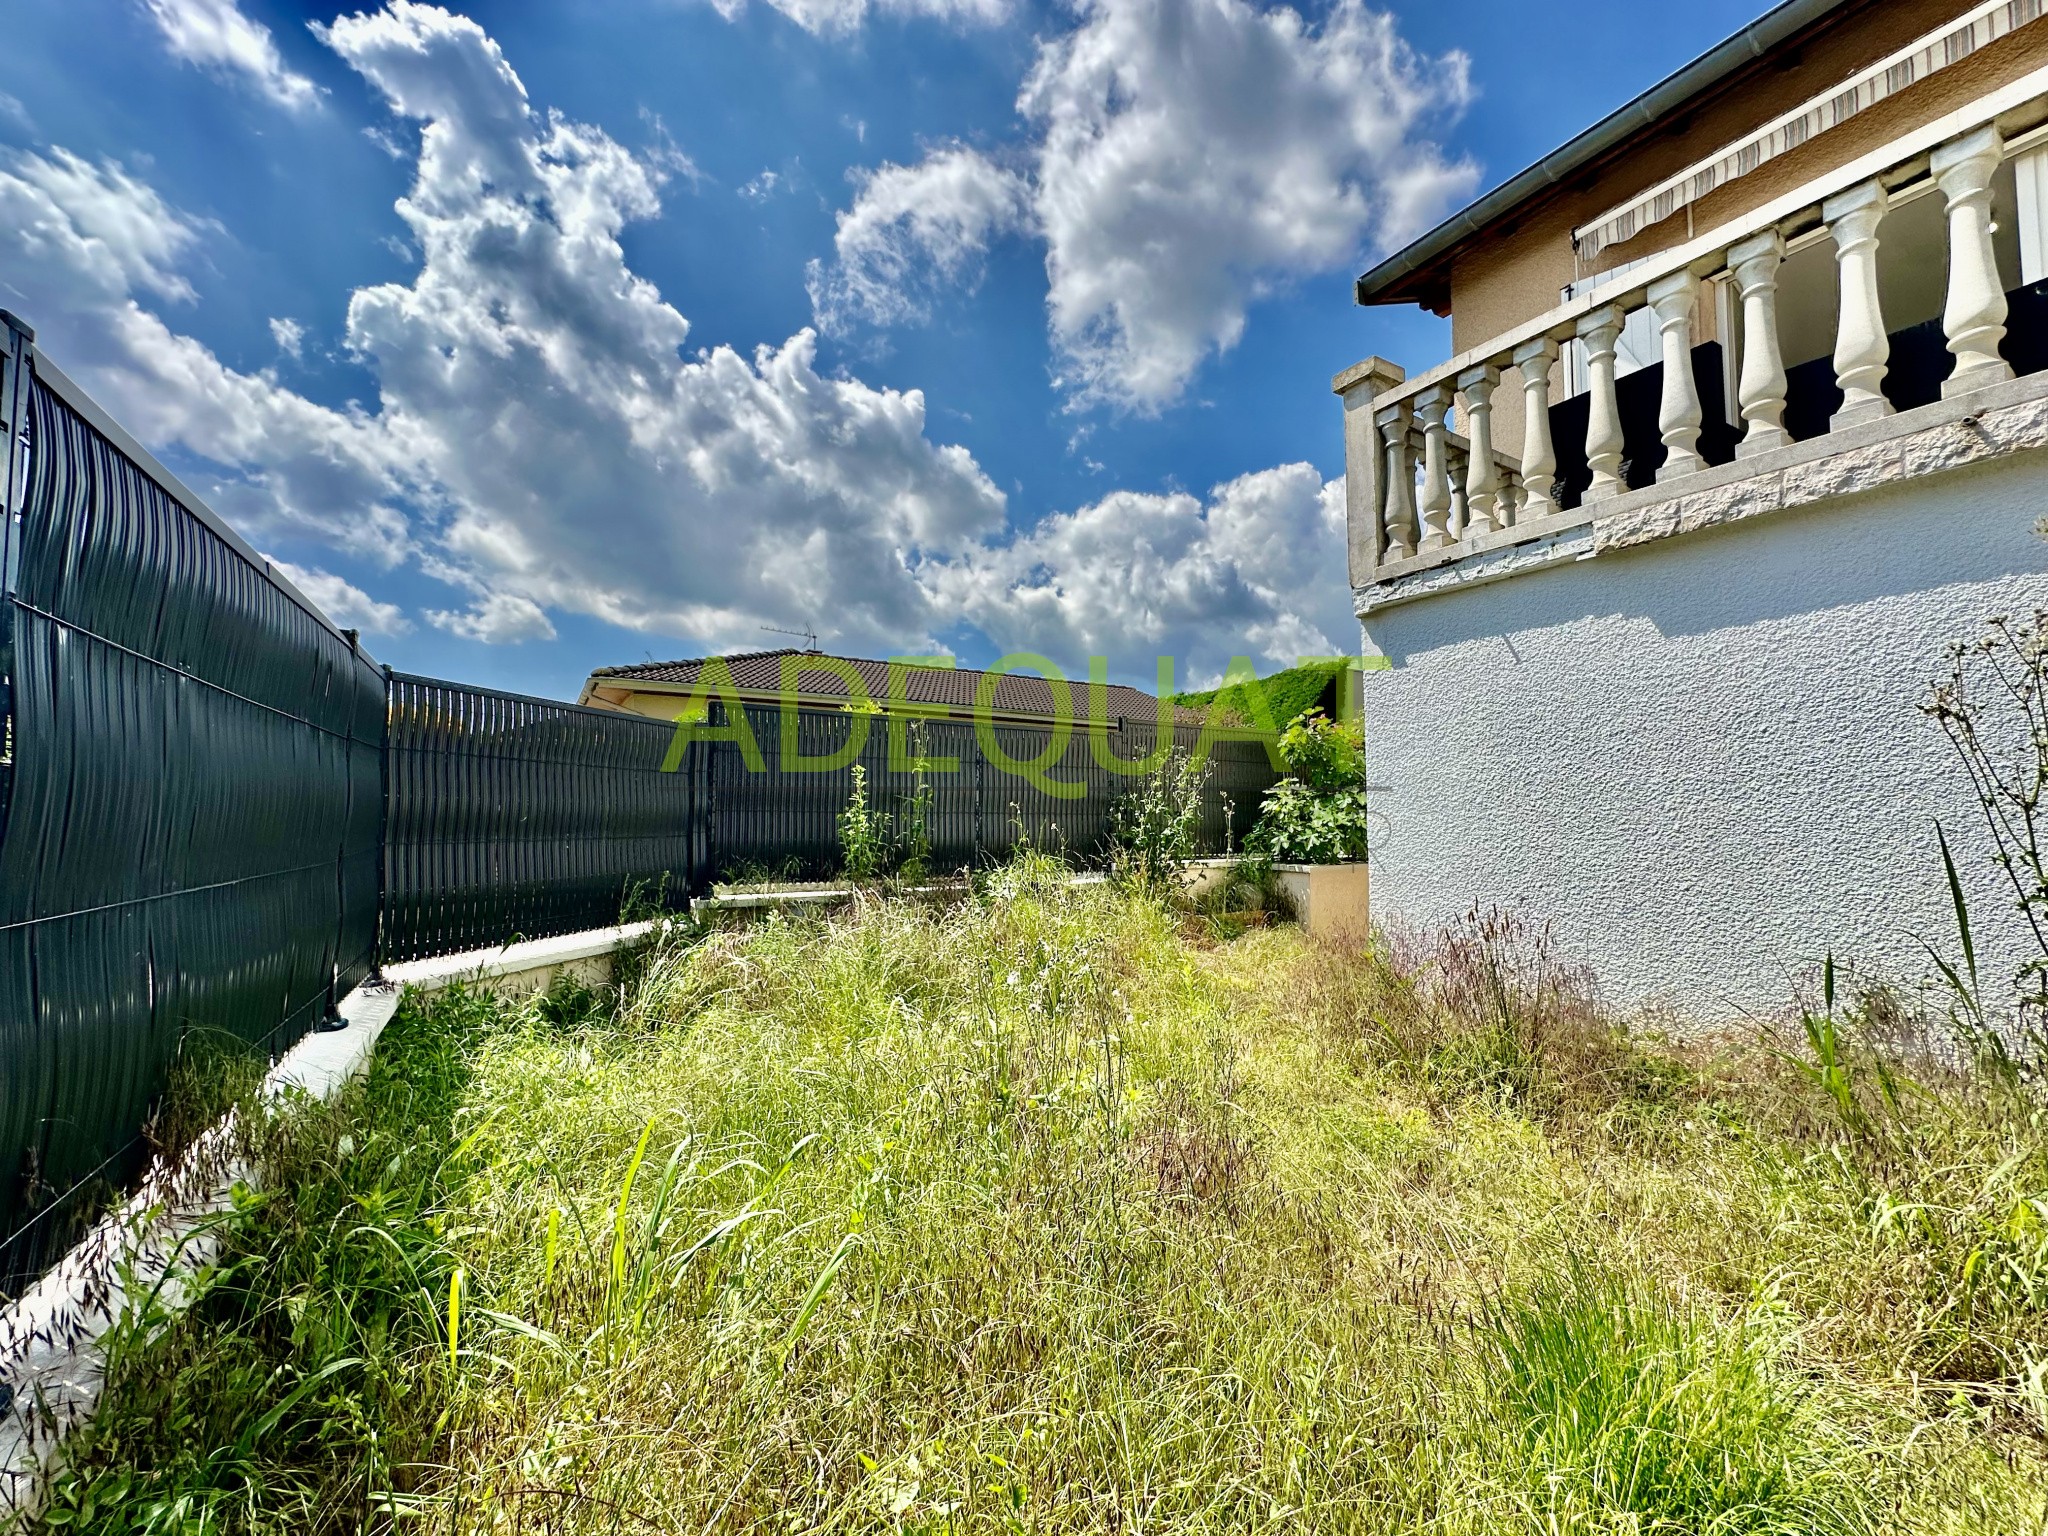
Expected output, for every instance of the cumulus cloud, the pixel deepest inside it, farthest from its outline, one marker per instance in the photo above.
(215, 35)
(80, 244)
(543, 441)
(349, 606)
(109, 231)
(1185, 157)
(289, 335)
(540, 438)
(501, 618)
(1247, 569)
(839, 17)
(911, 227)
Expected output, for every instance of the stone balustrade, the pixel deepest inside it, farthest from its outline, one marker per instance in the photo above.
(1429, 492)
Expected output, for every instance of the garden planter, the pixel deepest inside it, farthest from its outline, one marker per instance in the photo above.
(1331, 901)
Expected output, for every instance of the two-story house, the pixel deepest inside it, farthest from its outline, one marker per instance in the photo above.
(1746, 423)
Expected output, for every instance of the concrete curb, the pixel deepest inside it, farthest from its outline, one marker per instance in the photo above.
(52, 1368)
(51, 1364)
(526, 966)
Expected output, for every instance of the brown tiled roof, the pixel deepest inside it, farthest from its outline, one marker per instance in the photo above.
(1016, 693)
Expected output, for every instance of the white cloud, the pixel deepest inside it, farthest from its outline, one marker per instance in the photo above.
(289, 335)
(911, 227)
(214, 34)
(761, 188)
(839, 17)
(543, 443)
(346, 604)
(78, 243)
(110, 232)
(540, 438)
(1255, 568)
(502, 618)
(1186, 157)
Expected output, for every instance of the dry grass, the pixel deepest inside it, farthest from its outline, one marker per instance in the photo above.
(1053, 1213)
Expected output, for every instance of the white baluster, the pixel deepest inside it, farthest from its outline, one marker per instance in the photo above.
(1678, 412)
(1762, 390)
(1862, 351)
(1482, 476)
(1398, 517)
(1599, 331)
(1974, 317)
(1436, 486)
(1539, 456)
(1461, 519)
(1507, 506)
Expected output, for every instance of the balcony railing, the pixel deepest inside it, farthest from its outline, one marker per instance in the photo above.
(1423, 495)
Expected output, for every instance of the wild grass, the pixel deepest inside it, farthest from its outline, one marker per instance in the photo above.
(1054, 1211)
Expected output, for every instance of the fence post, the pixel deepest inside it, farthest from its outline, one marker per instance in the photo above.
(14, 402)
(980, 781)
(377, 956)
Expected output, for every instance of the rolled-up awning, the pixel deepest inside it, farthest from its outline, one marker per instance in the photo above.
(1937, 50)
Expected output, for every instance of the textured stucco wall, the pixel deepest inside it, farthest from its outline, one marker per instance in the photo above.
(1701, 757)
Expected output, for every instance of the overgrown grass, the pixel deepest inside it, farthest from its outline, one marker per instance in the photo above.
(1052, 1212)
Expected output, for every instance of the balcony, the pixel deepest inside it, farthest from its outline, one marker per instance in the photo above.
(1902, 261)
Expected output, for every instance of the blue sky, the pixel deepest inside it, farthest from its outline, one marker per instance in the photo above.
(966, 324)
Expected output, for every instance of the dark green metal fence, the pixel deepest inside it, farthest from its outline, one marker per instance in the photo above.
(192, 801)
(513, 817)
(976, 804)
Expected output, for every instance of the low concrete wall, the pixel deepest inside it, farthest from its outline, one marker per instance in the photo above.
(531, 965)
(1701, 755)
(1330, 901)
(51, 1367)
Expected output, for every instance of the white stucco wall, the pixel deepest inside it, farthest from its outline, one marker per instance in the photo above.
(1701, 757)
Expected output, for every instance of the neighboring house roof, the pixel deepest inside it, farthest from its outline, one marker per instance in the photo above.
(1413, 274)
(1015, 693)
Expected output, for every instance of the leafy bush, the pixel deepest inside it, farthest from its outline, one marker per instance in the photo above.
(1316, 815)
(876, 839)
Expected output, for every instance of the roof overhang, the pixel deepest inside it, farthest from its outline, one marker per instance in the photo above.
(916, 709)
(1417, 274)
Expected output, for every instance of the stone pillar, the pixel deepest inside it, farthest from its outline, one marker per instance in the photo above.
(1363, 460)
(1395, 423)
(1430, 408)
(1599, 331)
(1862, 352)
(1762, 390)
(1974, 317)
(1539, 457)
(1678, 413)
(1482, 478)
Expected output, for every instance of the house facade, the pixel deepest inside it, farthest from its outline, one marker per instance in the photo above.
(1747, 423)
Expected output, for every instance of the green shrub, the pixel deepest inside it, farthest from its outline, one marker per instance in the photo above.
(1285, 696)
(1317, 814)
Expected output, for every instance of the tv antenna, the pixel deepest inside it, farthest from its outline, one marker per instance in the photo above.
(808, 636)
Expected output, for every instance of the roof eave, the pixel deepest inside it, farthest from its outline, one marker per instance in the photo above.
(1383, 284)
